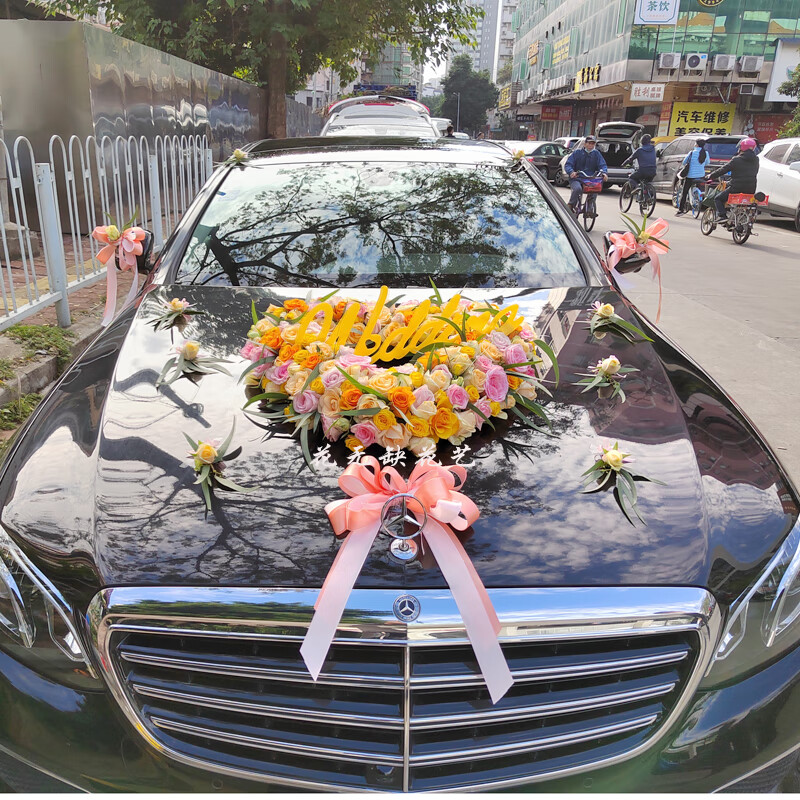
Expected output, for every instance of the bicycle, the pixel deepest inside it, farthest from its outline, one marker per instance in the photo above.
(695, 198)
(741, 217)
(591, 185)
(644, 194)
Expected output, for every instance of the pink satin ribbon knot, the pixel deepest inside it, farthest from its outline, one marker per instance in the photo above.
(127, 245)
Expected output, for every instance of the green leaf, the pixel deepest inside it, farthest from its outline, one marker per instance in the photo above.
(359, 412)
(253, 312)
(550, 354)
(311, 376)
(522, 364)
(596, 381)
(226, 444)
(306, 450)
(261, 361)
(394, 301)
(229, 484)
(327, 296)
(473, 407)
(364, 389)
(191, 441)
(455, 325)
(435, 291)
(265, 396)
(206, 494)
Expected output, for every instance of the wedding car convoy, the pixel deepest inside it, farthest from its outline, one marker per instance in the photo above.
(381, 484)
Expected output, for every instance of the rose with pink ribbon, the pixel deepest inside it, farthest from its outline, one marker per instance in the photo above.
(440, 508)
(128, 244)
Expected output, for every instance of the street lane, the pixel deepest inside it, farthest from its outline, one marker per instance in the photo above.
(733, 309)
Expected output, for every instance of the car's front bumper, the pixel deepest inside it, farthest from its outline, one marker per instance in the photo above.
(81, 740)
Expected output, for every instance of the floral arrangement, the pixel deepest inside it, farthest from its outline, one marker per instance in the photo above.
(445, 391)
(174, 312)
(605, 320)
(612, 469)
(238, 157)
(209, 462)
(607, 373)
(188, 360)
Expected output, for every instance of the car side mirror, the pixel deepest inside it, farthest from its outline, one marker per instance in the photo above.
(659, 154)
(795, 166)
(630, 264)
(143, 262)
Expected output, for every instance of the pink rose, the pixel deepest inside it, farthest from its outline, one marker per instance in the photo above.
(366, 432)
(332, 378)
(486, 410)
(305, 401)
(253, 351)
(442, 368)
(422, 394)
(496, 385)
(499, 339)
(348, 359)
(458, 396)
(405, 369)
(330, 429)
(515, 354)
(278, 373)
(527, 333)
(483, 363)
(260, 370)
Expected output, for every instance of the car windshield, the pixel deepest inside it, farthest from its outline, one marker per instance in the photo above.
(722, 150)
(368, 223)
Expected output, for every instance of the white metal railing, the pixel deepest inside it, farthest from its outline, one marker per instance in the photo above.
(84, 183)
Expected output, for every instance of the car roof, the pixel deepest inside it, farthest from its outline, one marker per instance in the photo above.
(398, 149)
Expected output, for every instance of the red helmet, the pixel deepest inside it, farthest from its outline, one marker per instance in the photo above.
(747, 144)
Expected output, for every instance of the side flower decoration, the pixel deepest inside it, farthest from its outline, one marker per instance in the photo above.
(612, 469)
(209, 462)
(238, 158)
(188, 361)
(605, 320)
(174, 312)
(516, 160)
(127, 244)
(642, 240)
(606, 374)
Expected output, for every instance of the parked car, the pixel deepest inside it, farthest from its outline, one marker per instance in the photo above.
(616, 141)
(379, 115)
(779, 178)
(146, 645)
(545, 156)
(720, 149)
(442, 124)
(567, 141)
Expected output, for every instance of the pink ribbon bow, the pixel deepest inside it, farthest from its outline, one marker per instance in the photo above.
(128, 245)
(357, 521)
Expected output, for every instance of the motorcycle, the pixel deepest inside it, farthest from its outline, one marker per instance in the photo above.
(742, 213)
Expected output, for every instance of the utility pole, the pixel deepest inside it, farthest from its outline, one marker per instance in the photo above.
(458, 111)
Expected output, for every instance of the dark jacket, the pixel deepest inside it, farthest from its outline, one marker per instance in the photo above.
(743, 169)
(584, 161)
(645, 157)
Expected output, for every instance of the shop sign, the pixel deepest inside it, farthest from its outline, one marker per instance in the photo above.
(710, 3)
(556, 113)
(656, 12)
(663, 120)
(561, 49)
(787, 56)
(647, 92)
(710, 118)
(505, 97)
(648, 119)
(587, 75)
(533, 53)
(765, 127)
(525, 117)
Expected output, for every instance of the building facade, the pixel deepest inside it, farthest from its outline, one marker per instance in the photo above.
(394, 68)
(675, 66)
(484, 54)
(505, 37)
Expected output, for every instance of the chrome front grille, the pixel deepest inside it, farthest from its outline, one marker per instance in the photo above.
(403, 707)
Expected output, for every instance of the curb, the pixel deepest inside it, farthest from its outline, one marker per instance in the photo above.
(37, 375)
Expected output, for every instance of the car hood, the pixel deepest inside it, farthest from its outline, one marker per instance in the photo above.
(100, 492)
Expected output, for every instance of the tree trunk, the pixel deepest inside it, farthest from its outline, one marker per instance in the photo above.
(277, 64)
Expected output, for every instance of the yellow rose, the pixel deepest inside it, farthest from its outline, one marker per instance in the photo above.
(444, 423)
(112, 231)
(418, 426)
(294, 383)
(514, 382)
(396, 436)
(468, 351)
(176, 305)
(274, 310)
(190, 350)
(424, 410)
(317, 386)
(614, 458)
(383, 382)
(384, 419)
(443, 401)
(419, 444)
(606, 310)
(473, 394)
(416, 379)
(496, 408)
(206, 452)
(329, 403)
(609, 366)
(477, 379)
(352, 442)
(263, 325)
(300, 356)
(490, 350)
(437, 380)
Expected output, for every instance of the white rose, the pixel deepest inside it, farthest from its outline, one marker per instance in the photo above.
(436, 381)
(424, 410)
(615, 459)
(609, 366)
(419, 444)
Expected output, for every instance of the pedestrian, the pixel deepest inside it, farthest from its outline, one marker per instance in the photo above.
(743, 168)
(587, 159)
(695, 163)
(645, 158)
(450, 134)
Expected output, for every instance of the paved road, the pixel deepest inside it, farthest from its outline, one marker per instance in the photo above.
(734, 309)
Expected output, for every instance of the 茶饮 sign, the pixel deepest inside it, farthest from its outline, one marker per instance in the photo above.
(710, 118)
(650, 92)
(656, 12)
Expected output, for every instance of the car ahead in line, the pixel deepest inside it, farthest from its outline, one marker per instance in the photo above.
(616, 141)
(545, 156)
(567, 141)
(146, 645)
(379, 115)
(720, 149)
(779, 178)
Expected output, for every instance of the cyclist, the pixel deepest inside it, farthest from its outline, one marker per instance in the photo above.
(743, 168)
(645, 158)
(696, 161)
(589, 160)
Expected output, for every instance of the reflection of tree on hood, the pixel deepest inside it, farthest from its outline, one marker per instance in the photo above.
(369, 224)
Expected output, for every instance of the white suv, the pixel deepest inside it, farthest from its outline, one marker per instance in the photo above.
(779, 177)
(379, 115)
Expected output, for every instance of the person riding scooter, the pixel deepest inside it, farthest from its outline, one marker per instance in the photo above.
(743, 169)
(588, 160)
(645, 158)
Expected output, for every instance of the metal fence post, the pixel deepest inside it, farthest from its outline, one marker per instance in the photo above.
(155, 202)
(52, 242)
(209, 163)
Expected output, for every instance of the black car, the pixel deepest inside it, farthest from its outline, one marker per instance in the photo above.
(545, 156)
(146, 645)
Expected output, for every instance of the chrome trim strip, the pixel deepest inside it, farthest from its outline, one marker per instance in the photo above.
(258, 709)
(532, 745)
(525, 615)
(543, 709)
(272, 744)
(407, 721)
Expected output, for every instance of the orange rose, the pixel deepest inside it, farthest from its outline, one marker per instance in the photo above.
(418, 426)
(350, 396)
(300, 356)
(287, 352)
(299, 305)
(514, 381)
(352, 442)
(384, 419)
(272, 338)
(402, 398)
(444, 424)
(311, 360)
(339, 309)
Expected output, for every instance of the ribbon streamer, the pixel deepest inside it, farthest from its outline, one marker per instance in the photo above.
(127, 245)
(357, 521)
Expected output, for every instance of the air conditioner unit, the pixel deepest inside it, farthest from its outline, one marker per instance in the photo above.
(706, 89)
(751, 63)
(747, 88)
(669, 60)
(695, 62)
(724, 62)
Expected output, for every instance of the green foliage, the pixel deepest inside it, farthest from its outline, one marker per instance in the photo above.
(6, 369)
(477, 94)
(791, 87)
(504, 73)
(49, 338)
(13, 414)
